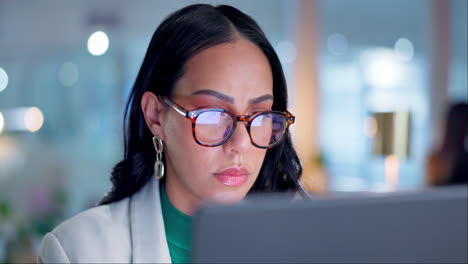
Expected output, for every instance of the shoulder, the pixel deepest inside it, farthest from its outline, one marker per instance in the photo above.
(98, 234)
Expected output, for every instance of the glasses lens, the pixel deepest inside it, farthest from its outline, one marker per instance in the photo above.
(267, 129)
(212, 127)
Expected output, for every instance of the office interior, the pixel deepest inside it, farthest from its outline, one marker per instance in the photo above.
(352, 67)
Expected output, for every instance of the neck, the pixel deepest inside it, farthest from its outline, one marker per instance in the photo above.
(180, 196)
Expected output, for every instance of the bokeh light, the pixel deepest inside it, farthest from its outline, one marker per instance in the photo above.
(98, 43)
(2, 123)
(33, 119)
(3, 79)
(382, 68)
(392, 166)
(68, 74)
(404, 49)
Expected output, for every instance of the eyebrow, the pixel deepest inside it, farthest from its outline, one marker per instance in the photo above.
(261, 99)
(219, 95)
(230, 99)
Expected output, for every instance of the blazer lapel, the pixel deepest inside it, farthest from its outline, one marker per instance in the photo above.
(149, 244)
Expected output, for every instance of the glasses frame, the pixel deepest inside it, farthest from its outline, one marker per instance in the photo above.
(193, 115)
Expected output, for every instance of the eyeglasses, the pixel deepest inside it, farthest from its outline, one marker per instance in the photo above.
(212, 127)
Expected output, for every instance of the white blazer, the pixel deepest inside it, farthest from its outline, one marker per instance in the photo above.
(130, 230)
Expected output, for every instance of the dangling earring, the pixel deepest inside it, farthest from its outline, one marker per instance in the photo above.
(158, 165)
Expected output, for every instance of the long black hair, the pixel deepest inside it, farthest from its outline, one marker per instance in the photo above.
(180, 36)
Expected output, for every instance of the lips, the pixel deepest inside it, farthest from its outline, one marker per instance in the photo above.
(233, 177)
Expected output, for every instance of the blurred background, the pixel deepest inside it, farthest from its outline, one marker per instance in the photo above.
(370, 83)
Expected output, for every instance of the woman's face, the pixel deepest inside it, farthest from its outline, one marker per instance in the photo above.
(232, 76)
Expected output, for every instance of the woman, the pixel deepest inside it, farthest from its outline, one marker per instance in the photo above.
(448, 164)
(207, 117)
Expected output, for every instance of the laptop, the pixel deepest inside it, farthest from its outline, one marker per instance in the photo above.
(425, 226)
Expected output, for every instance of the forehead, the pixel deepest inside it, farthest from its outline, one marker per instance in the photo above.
(238, 69)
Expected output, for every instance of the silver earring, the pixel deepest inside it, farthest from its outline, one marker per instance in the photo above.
(158, 165)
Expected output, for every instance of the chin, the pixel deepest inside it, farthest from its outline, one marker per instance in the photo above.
(227, 197)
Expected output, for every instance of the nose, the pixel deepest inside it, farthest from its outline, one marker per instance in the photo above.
(239, 140)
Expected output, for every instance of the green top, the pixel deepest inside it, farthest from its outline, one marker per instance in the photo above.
(178, 228)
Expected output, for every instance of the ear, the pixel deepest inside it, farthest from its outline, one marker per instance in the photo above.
(152, 109)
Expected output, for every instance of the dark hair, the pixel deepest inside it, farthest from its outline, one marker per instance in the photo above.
(180, 36)
(456, 128)
(455, 143)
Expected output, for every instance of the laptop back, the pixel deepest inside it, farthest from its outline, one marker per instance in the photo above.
(427, 226)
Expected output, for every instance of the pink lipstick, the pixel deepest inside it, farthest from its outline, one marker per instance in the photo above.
(232, 177)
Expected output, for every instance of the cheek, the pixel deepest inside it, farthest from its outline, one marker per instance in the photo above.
(188, 157)
(257, 156)
(178, 134)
